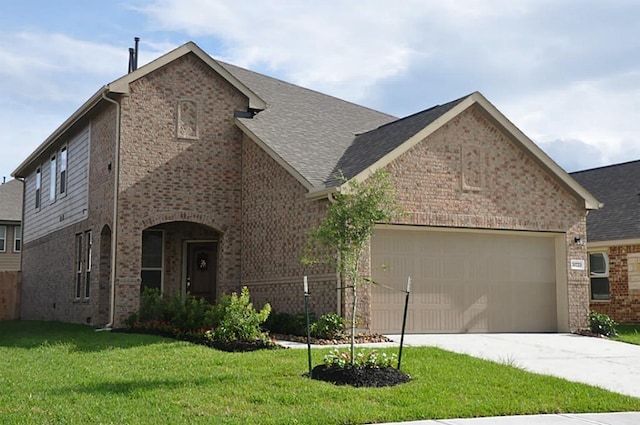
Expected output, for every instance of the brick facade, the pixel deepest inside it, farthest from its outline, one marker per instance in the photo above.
(624, 305)
(186, 168)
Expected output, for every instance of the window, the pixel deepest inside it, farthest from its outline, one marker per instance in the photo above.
(38, 187)
(52, 179)
(3, 238)
(87, 277)
(599, 273)
(17, 239)
(63, 171)
(79, 255)
(151, 270)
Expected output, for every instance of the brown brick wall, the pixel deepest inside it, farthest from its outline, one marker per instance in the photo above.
(276, 217)
(506, 189)
(165, 178)
(624, 305)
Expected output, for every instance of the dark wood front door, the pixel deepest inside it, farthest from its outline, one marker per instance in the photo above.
(202, 265)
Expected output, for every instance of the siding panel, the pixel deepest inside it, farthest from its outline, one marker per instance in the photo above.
(67, 209)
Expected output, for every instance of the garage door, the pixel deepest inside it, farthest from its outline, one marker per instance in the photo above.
(464, 281)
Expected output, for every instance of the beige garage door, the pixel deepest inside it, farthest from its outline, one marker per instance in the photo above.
(464, 281)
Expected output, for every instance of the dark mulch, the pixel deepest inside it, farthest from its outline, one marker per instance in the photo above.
(233, 346)
(360, 377)
(345, 339)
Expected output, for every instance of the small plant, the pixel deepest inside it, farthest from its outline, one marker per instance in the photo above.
(239, 320)
(329, 326)
(363, 359)
(602, 324)
(288, 323)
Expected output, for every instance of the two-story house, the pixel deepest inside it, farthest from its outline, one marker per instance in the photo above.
(198, 177)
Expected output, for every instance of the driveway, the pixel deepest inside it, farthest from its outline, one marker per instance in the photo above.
(612, 365)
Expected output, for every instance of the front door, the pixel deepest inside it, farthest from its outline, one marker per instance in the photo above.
(201, 270)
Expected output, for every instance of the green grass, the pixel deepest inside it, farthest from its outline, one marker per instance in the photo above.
(62, 373)
(628, 333)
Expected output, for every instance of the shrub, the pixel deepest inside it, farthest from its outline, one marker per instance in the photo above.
(239, 320)
(329, 326)
(288, 323)
(362, 359)
(602, 324)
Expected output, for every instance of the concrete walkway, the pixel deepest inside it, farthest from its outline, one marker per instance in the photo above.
(623, 418)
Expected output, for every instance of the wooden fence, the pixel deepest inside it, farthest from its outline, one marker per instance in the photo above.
(9, 295)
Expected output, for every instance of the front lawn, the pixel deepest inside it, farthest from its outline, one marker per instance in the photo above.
(628, 333)
(61, 373)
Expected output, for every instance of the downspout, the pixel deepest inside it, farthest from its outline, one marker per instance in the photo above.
(114, 238)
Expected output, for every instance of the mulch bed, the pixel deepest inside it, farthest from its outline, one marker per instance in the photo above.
(360, 377)
(346, 339)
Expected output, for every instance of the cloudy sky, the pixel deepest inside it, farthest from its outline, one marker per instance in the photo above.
(567, 73)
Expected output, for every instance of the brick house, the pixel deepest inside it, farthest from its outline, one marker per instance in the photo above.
(613, 240)
(198, 177)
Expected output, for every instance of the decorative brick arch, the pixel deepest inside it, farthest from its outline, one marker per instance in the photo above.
(190, 216)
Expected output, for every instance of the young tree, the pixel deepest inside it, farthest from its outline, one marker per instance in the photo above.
(348, 226)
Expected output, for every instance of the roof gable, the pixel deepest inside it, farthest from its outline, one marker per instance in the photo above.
(618, 187)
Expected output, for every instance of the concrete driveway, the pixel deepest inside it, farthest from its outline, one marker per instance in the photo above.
(612, 365)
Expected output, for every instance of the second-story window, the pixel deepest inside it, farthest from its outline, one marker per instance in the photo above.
(38, 187)
(52, 179)
(17, 239)
(63, 170)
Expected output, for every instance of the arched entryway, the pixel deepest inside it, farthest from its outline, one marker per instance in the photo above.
(181, 257)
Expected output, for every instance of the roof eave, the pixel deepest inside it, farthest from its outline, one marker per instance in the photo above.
(476, 98)
(121, 85)
(21, 170)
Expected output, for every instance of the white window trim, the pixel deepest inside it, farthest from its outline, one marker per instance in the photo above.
(64, 179)
(16, 238)
(79, 266)
(88, 252)
(3, 228)
(606, 262)
(161, 268)
(53, 174)
(38, 191)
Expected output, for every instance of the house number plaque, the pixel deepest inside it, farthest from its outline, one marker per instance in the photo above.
(577, 265)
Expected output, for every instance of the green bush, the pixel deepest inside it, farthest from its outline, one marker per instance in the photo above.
(329, 326)
(188, 316)
(602, 324)
(239, 320)
(288, 323)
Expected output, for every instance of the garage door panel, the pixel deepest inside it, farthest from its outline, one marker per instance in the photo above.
(465, 282)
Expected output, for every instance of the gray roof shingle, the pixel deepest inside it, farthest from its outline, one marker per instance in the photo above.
(11, 200)
(369, 147)
(309, 130)
(618, 188)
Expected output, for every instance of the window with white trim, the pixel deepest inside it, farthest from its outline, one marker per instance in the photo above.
(38, 187)
(62, 175)
(152, 259)
(79, 257)
(87, 276)
(17, 239)
(52, 179)
(3, 238)
(599, 274)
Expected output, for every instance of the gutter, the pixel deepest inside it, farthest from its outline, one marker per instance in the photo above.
(114, 238)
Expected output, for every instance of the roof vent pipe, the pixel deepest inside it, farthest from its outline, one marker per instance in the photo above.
(135, 53)
(131, 60)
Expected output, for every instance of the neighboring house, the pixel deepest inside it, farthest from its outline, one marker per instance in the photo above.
(198, 177)
(613, 240)
(10, 225)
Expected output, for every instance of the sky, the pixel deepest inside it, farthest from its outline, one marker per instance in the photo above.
(565, 72)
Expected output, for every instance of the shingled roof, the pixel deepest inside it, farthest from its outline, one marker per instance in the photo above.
(309, 131)
(11, 201)
(618, 188)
